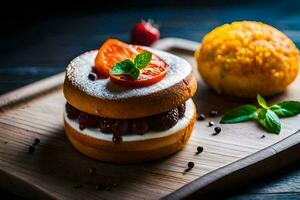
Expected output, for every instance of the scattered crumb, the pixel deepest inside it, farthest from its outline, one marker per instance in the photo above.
(36, 141)
(92, 171)
(79, 185)
(100, 187)
(31, 149)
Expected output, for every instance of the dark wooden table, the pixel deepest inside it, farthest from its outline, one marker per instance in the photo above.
(45, 47)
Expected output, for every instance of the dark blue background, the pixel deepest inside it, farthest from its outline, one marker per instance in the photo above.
(39, 39)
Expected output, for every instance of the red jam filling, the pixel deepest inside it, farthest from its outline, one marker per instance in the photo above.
(119, 127)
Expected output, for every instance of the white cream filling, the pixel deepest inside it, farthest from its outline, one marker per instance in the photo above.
(97, 134)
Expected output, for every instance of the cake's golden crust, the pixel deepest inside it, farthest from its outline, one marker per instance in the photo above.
(130, 152)
(246, 58)
(136, 107)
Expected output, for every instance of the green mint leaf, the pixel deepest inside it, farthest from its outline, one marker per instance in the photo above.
(135, 73)
(269, 121)
(239, 114)
(127, 67)
(123, 67)
(286, 108)
(142, 60)
(262, 102)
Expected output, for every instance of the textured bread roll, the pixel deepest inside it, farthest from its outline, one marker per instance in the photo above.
(244, 59)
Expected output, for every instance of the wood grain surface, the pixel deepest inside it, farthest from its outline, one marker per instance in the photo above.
(57, 171)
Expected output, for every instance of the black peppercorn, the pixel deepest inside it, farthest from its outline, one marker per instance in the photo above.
(79, 185)
(99, 187)
(36, 141)
(31, 149)
(201, 117)
(191, 165)
(213, 113)
(108, 187)
(199, 149)
(218, 129)
(211, 123)
(92, 76)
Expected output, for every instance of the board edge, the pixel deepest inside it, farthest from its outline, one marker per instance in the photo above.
(240, 173)
(31, 91)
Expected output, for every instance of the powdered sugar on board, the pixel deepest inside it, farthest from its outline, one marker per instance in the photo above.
(80, 67)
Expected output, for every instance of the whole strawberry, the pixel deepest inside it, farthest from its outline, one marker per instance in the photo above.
(145, 33)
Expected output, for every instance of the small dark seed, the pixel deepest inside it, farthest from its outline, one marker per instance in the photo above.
(263, 136)
(79, 185)
(36, 141)
(108, 188)
(218, 129)
(213, 113)
(211, 123)
(191, 165)
(201, 117)
(31, 149)
(199, 149)
(81, 127)
(5, 142)
(117, 139)
(92, 76)
(99, 187)
(92, 171)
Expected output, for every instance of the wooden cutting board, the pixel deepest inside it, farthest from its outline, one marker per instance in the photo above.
(57, 171)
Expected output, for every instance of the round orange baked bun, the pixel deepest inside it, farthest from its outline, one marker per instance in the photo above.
(133, 148)
(108, 99)
(246, 58)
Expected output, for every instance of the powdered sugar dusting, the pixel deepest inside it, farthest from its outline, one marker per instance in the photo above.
(80, 67)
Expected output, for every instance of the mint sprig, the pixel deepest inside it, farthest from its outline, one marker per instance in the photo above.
(142, 60)
(286, 108)
(266, 116)
(127, 67)
(261, 101)
(123, 67)
(269, 121)
(239, 114)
